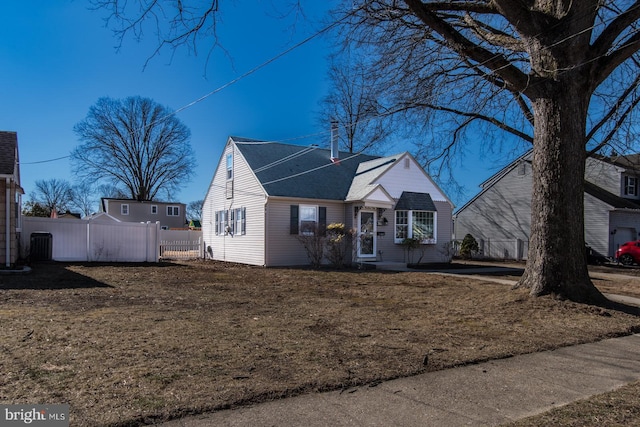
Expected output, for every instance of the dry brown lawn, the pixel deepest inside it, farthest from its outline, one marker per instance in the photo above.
(618, 408)
(134, 344)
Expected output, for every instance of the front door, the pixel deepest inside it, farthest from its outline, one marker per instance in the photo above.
(366, 234)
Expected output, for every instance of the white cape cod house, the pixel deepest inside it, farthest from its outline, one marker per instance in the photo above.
(264, 193)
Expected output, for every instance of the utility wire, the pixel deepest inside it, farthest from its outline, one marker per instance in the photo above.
(44, 161)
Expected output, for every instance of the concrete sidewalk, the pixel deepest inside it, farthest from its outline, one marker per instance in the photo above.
(485, 394)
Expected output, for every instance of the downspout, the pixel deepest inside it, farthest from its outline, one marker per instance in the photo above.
(7, 225)
(266, 236)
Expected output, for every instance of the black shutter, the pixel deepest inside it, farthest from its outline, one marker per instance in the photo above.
(322, 221)
(244, 221)
(293, 227)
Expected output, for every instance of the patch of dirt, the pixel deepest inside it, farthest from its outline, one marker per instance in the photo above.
(132, 344)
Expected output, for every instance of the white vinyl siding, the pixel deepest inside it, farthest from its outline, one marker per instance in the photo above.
(283, 248)
(247, 247)
(604, 175)
(596, 224)
(499, 216)
(399, 179)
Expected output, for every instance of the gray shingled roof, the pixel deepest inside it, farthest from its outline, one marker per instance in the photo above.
(300, 171)
(611, 199)
(8, 144)
(630, 162)
(415, 201)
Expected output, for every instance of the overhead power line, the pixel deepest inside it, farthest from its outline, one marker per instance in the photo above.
(44, 161)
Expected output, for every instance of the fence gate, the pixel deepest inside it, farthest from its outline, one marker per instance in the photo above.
(180, 244)
(181, 249)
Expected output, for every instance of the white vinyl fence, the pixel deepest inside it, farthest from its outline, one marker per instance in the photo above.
(512, 249)
(515, 249)
(106, 240)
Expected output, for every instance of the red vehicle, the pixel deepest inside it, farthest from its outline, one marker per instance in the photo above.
(629, 253)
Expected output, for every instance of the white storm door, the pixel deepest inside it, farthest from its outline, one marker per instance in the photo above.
(367, 234)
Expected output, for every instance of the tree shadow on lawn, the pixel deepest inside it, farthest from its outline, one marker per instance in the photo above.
(468, 269)
(621, 307)
(49, 276)
(493, 270)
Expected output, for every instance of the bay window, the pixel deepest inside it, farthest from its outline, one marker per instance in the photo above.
(414, 224)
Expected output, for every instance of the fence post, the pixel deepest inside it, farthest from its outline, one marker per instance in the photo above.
(156, 246)
(88, 247)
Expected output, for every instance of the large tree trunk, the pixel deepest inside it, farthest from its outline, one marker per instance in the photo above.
(557, 258)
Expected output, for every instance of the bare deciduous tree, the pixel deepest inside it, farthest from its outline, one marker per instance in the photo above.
(559, 75)
(355, 102)
(52, 195)
(135, 144)
(84, 199)
(194, 210)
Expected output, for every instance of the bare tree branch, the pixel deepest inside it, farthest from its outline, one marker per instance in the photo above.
(175, 24)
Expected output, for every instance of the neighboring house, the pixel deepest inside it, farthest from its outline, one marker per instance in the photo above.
(170, 215)
(10, 199)
(263, 195)
(499, 217)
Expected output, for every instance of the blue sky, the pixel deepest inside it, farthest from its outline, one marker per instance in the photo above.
(57, 58)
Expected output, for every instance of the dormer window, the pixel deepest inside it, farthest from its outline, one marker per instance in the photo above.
(630, 186)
